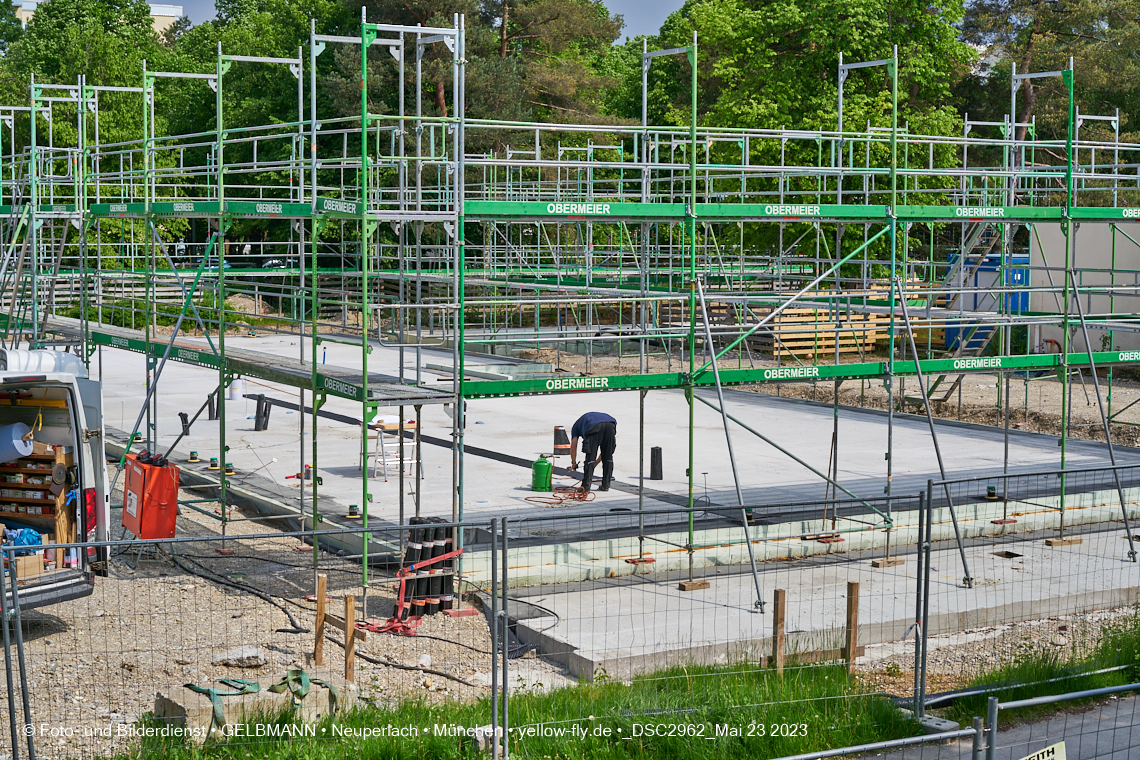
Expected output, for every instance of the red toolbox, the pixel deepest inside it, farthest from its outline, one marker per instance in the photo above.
(150, 499)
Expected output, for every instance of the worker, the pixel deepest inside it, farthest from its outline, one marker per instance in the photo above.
(598, 432)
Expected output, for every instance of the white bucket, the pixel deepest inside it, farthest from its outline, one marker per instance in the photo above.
(236, 389)
(12, 443)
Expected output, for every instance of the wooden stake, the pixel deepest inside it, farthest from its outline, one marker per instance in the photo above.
(319, 644)
(350, 638)
(851, 650)
(778, 634)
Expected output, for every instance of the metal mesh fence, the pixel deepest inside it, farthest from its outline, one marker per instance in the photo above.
(1031, 578)
(173, 621)
(663, 615)
(778, 630)
(1099, 723)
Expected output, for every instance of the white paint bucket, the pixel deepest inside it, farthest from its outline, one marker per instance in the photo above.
(12, 443)
(237, 387)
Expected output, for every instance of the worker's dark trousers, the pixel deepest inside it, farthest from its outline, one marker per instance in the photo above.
(602, 436)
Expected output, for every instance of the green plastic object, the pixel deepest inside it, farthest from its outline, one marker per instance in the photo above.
(541, 475)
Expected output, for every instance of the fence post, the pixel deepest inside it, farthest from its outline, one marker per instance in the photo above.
(494, 623)
(8, 666)
(991, 728)
(319, 644)
(778, 634)
(14, 583)
(350, 638)
(919, 624)
(506, 639)
(979, 730)
(926, 550)
(851, 650)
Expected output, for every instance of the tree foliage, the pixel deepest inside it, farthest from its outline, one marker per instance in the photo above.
(10, 27)
(1101, 36)
(773, 63)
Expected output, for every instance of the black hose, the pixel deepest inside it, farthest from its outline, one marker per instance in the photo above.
(273, 561)
(388, 663)
(241, 587)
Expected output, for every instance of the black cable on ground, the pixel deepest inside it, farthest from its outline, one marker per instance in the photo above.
(387, 663)
(266, 559)
(241, 587)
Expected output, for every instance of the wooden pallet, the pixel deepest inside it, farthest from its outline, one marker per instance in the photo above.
(809, 334)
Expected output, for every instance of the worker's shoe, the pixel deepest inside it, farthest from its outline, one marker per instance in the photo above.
(587, 476)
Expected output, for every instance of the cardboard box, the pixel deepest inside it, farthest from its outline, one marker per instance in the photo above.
(41, 448)
(29, 566)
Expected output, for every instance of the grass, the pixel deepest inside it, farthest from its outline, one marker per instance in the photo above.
(688, 713)
(1050, 672)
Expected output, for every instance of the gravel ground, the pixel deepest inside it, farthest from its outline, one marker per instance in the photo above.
(954, 659)
(99, 661)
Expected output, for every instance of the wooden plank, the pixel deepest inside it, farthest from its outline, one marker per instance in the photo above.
(319, 644)
(850, 651)
(779, 640)
(64, 524)
(342, 626)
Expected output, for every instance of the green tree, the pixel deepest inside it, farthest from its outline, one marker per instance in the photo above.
(772, 63)
(104, 40)
(559, 45)
(526, 60)
(1101, 36)
(10, 26)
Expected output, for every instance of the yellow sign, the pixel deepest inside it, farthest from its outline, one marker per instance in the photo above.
(1056, 752)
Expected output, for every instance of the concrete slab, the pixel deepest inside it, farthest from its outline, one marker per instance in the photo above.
(522, 428)
(627, 626)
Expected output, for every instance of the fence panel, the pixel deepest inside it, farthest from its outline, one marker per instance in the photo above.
(108, 672)
(1031, 582)
(660, 617)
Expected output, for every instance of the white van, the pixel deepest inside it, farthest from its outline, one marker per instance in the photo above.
(60, 490)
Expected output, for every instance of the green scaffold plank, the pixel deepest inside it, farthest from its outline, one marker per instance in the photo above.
(930, 367)
(117, 209)
(981, 213)
(572, 210)
(157, 349)
(268, 208)
(338, 207)
(1105, 214)
(789, 211)
(180, 208)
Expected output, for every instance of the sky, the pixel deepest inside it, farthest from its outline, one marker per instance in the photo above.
(641, 16)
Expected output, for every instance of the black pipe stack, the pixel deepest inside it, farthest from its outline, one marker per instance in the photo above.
(430, 588)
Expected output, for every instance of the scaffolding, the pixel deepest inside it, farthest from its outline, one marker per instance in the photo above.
(734, 256)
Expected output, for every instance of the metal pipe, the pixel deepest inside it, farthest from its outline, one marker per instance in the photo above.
(934, 438)
(919, 707)
(926, 549)
(494, 625)
(14, 582)
(781, 449)
(759, 604)
(506, 639)
(991, 727)
(860, 749)
(8, 664)
(1104, 420)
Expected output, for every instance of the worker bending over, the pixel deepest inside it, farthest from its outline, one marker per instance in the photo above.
(598, 432)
